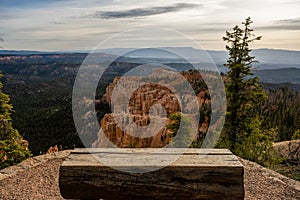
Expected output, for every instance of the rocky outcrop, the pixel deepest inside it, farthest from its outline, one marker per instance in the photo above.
(138, 107)
(52, 149)
(289, 150)
(122, 139)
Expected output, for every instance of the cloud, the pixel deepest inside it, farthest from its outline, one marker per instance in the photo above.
(288, 21)
(143, 12)
(283, 24)
(290, 27)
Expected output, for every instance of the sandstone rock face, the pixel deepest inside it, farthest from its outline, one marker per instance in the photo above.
(289, 150)
(24, 144)
(52, 149)
(145, 101)
(121, 139)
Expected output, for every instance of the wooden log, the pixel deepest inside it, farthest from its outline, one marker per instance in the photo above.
(215, 174)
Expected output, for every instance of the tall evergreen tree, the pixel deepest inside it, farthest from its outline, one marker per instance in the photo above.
(13, 149)
(243, 93)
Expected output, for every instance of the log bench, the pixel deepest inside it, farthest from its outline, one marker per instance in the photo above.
(197, 174)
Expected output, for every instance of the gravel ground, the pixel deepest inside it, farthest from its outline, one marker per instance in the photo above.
(262, 183)
(41, 182)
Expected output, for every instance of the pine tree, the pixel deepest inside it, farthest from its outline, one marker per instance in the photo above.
(184, 138)
(11, 149)
(243, 93)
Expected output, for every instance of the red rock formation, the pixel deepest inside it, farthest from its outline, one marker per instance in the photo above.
(140, 103)
(24, 144)
(52, 149)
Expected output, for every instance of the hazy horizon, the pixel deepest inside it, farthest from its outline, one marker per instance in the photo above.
(86, 50)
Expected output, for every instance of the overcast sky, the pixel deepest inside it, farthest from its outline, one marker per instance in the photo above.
(83, 24)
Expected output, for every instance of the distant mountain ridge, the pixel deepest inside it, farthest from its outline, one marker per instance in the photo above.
(268, 58)
(34, 66)
(24, 52)
(284, 75)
